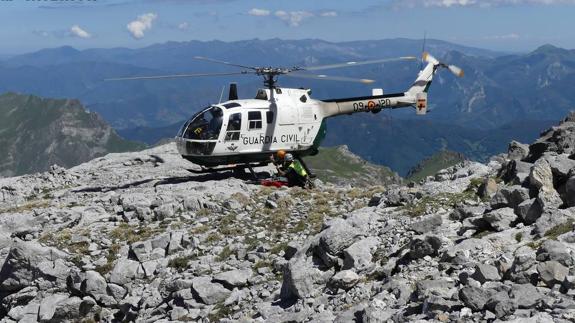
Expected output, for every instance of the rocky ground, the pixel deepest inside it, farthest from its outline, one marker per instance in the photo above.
(135, 237)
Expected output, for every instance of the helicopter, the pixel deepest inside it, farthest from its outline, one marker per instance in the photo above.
(243, 133)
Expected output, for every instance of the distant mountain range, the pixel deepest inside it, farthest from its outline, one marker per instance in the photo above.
(36, 133)
(502, 97)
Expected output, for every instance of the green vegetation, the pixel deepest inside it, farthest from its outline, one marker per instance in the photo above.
(110, 258)
(225, 254)
(219, 312)
(338, 164)
(560, 229)
(36, 133)
(430, 204)
(430, 166)
(519, 236)
(179, 263)
(131, 234)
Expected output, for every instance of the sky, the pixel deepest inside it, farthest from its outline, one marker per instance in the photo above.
(503, 25)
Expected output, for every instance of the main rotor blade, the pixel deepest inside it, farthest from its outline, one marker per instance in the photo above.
(175, 76)
(330, 78)
(201, 58)
(353, 63)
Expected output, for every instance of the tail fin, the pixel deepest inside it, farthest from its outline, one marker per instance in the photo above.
(423, 81)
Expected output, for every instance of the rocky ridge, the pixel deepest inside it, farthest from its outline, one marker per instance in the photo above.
(135, 237)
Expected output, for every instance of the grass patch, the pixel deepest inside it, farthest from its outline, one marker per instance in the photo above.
(199, 229)
(431, 204)
(535, 244)
(560, 229)
(28, 206)
(110, 258)
(131, 234)
(220, 312)
(213, 237)
(225, 254)
(278, 248)
(179, 263)
(262, 264)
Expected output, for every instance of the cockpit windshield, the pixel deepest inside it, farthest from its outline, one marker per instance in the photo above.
(205, 125)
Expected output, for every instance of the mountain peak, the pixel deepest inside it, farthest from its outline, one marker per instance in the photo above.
(549, 49)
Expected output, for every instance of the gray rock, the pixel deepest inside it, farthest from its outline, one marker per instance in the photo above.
(175, 242)
(116, 291)
(142, 250)
(529, 211)
(27, 261)
(165, 211)
(488, 188)
(437, 303)
(466, 211)
(552, 272)
(548, 198)
(161, 242)
(552, 218)
(94, 284)
(501, 305)
(500, 219)
(424, 246)
(428, 287)
(525, 295)
(523, 270)
(541, 174)
(344, 279)
(337, 236)
(125, 271)
(300, 279)
(555, 250)
(376, 313)
(427, 224)
(68, 309)
(209, 293)
(358, 256)
(234, 278)
(193, 203)
(561, 166)
(517, 151)
(48, 306)
(474, 297)
(570, 191)
(510, 196)
(485, 272)
(516, 172)
(291, 249)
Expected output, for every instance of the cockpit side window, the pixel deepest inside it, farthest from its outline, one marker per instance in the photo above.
(205, 125)
(255, 119)
(234, 127)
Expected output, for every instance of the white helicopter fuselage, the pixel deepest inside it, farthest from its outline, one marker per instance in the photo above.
(248, 131)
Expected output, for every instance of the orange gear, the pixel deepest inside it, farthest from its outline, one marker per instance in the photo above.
(281, 154)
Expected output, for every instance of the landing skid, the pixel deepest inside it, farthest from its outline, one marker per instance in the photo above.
(237, 169)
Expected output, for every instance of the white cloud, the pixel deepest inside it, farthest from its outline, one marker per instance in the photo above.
(184, 25)
(259, 12)
(293, 18)
(77, 31)
(142, 24)
(476, 3)
(328, 14)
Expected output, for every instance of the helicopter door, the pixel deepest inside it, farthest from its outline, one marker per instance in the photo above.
(234, 127)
